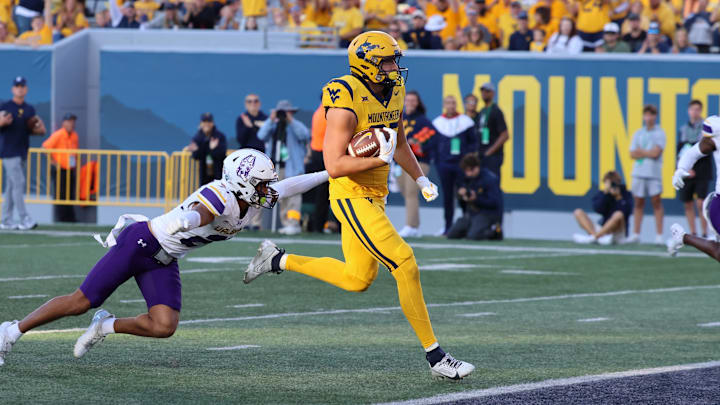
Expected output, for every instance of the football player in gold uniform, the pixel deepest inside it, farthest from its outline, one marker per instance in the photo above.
(371, 96)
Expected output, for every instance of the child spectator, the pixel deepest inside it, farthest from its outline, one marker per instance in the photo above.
(565, 41)
(614, 203)
(41, 33)
(26, 10)
(611, 42)
(476, 42)
(538, 43)
(636, 36)
(681, 44)
(520, 39)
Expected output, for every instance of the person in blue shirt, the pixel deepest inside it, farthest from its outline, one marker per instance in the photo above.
(520, 40)
(15, 118)
(286, 141)
(209, 148)
(480, 190)
(614, 203)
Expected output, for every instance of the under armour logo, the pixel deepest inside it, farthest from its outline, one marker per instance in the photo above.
(333, 94)
(141, 243)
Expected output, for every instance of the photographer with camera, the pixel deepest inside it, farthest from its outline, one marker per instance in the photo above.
(614, 203)
(480, 190)
(286, 143)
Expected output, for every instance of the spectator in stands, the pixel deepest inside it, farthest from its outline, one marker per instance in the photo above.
(378, 14)
(659, 11)
(255, 14)
(697, 185)
(491, 131)
(145, 10)
(654, 43)
(614, 203)
(636, 36)
(591, 17)
(420, 38)
(476, 41)
(435, 25)
(520, 39)
(456, 139)
(63, 167)
(538, 43)
(619, 10)
(348, 20)
(248, 123)
(15, 134)
(70, 18)
(5, 36)
(230, 16)
(394, 31)
(558, 9)
(208, 146)
(419, 132)
(200, 15)
(507, 22)
(565, 41)
(451, 44)
(699, 28)
(611, 40)
(646, 149)
(681, 44)
(479, 189)
(449, 10)
(168, 19)
(41, 33)
(636, 8)
(6, 14)
(102, 17)
(279, 20)
(320, 12)
(25, 11)
(470, 102)
(286, 141)
(545, 23)
(127, 17)
(479, 16)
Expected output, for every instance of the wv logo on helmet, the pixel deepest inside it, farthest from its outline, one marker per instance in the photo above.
(333, 94)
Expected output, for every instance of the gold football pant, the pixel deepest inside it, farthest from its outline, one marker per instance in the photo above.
(368, 238)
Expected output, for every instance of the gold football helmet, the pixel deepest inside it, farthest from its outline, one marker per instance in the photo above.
(366, 53)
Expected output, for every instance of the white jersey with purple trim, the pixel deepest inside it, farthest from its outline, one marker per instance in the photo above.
(711, 129)
(221, 203)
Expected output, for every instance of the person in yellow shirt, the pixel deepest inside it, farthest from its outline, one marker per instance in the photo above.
(470, 19)
(146, 9)
(501, 7)
(307, 28)
(348, 20)
(394, 31)
(449, 10)
(320, 12)
(557, 8)
(591, 17)
(544, 22)
(256, 10)
(378, 13)
(658, 11)
(476, 42)
(5, 36)
(70, 18)
(507, 24)
(619, 10)
(41, 33)
(6, 7)
(636, 11)
(538, 43)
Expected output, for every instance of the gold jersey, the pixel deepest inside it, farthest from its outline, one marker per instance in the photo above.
(353, 94)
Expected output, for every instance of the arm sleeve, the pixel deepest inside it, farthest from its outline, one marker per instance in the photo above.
(265, 130)
(688, 159)
(299, 184)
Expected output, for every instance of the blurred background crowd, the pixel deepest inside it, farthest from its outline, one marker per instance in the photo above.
(553, 26)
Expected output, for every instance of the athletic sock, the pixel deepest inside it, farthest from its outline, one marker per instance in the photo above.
(14, 332)
(435, 355)
(277, 262)
(108, 326)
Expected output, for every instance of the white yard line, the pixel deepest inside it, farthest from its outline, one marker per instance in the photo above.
(504, 257)
(246, 306)
(451, 267)
(41, 332)
(241, 347)
(56, 276)
(561, 382)
(537, 272)
(709, 325)
(20, 297)
(452, 304)
(477, 314)
(220, 259)
(43, 245)
(131, 301)
(593, 319)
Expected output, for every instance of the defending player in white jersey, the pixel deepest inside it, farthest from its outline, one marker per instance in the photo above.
(710, 143)
(148, 251)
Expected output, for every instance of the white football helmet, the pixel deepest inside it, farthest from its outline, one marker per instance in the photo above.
(711, 127)
(248, 173)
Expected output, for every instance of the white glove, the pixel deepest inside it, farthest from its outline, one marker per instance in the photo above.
(428, 189)
(387, 147)
(678, 180)
(183, 222)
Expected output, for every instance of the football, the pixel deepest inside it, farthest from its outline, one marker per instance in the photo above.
(32, 122)
(365, 143)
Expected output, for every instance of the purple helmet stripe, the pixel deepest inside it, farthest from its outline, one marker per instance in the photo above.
(707, 129)
(213, 198)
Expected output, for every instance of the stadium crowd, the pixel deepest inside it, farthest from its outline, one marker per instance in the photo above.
(553, 26)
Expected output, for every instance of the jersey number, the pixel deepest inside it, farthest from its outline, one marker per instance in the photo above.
(200, 241)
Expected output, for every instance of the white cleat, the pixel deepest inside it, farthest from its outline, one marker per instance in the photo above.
(290, 230)
(263, 261)
(451, 368)
(676, 239)
(606, 240)
(584, 239)
(93, 335)
(410, 232)
(5, 342)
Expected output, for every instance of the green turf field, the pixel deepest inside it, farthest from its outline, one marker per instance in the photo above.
(313, 346)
